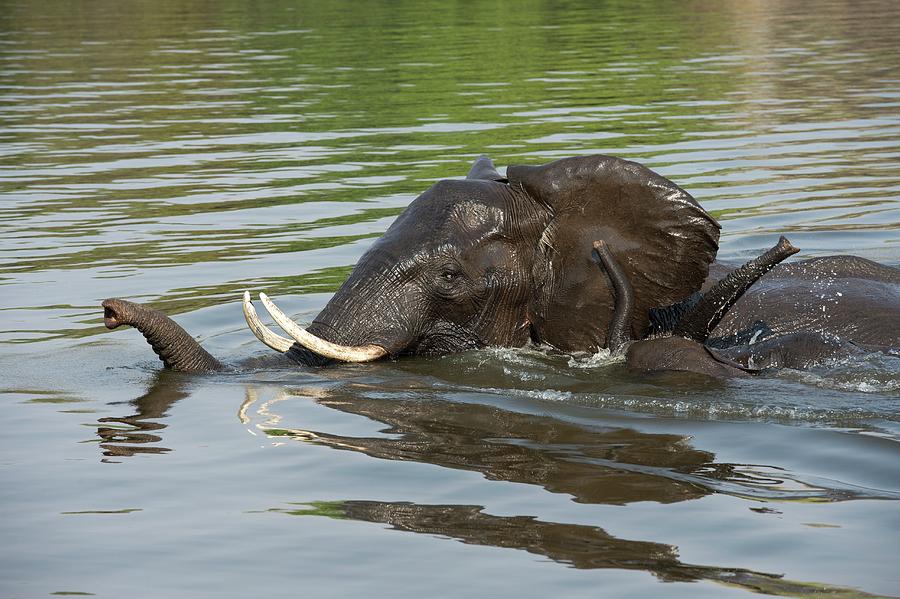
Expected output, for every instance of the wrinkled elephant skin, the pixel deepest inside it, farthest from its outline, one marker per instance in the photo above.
(846, 297)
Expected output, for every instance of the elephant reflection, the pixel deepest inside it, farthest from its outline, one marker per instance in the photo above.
(138, 433)
(593, 465)
(580, 546)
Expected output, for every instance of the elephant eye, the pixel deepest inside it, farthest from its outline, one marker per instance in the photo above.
(450, 283)
(450, 272)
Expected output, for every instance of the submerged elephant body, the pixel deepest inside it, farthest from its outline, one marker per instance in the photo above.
(845, 297)
(503, 261)
(796, 316)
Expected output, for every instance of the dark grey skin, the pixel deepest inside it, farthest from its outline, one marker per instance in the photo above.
(685, 348)
(845, 297)
(504, 261)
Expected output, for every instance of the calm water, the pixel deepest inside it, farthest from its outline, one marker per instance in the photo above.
(177, 153)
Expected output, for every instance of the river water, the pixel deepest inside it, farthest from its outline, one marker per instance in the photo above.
(179, 152)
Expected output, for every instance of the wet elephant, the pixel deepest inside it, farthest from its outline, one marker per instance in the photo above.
(748, 321)
(680, 337)
(491, 261)
(496, 260)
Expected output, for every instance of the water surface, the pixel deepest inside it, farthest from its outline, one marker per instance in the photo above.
(177, 153)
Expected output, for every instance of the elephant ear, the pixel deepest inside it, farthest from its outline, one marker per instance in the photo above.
(659, 234)
(483, 169)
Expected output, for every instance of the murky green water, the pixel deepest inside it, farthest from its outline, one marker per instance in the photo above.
(177, 153)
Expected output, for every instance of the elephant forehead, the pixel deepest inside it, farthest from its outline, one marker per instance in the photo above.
(474, 219)
(452, 212)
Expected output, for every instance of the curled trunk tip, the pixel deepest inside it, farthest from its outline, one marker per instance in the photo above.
(786, 247)
(113, 310)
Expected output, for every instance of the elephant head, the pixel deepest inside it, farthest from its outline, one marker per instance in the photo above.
(496, 261)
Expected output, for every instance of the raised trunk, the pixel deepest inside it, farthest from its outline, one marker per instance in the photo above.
(709, 310)
(174, 346)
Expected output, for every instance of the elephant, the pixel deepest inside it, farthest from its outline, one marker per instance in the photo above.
(684, 345)
(494, 260)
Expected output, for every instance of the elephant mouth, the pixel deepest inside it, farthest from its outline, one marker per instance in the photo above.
(306, 339)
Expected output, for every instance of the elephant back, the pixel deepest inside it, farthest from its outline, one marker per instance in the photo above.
(848, 298)
(664, 240)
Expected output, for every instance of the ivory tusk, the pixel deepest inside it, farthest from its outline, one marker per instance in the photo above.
(363, 353)
(262, 332)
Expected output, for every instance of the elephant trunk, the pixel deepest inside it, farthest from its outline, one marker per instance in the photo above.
(174, 346)
(706, 314)
(619, 333)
